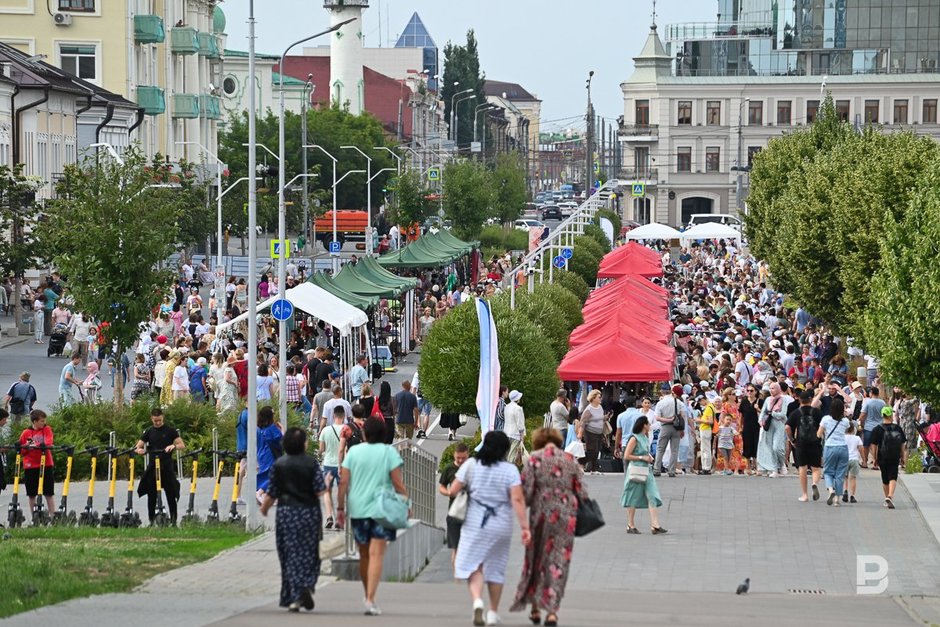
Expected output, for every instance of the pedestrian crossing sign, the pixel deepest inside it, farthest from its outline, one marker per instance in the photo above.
(639, 190)
(276, 250)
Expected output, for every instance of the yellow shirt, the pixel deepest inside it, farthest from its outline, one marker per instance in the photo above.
(708, 417)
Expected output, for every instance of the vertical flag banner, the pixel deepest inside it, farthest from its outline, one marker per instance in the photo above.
(488, 382)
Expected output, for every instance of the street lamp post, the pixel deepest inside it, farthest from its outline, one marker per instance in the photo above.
(368, 196)
(250, 486)
(333, 159)
(453, 128)
(589, 139)
(738, 167)
(391, 152)
(303, 141)
(282, 219)
(457, 120)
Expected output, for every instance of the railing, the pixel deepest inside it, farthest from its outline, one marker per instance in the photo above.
(638, 130)
(714, 30)
(640, 174)
(419, 473)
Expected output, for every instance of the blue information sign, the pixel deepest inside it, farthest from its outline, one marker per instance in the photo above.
(282, 309)
(567, 253)
(335, 247)
(559, 262)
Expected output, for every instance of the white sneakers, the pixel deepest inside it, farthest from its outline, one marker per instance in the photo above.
(492, 618)
(478, 609)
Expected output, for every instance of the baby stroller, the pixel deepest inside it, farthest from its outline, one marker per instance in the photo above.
(932, 457)
(57, 340)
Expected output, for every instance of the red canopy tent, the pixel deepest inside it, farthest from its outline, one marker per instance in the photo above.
(630, 281)
(652, 308)
(646, 328)
(630, 259)
(613, 358)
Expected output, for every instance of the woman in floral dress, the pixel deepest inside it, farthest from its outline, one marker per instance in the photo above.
(729, 406)
(551, 483)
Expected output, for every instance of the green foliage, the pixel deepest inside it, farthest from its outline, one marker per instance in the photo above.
(614, 220)
(566, 300)
(548, 316)
(496, 240)
(573, 282)
(19, 212)
(915, 461)
(197, 219)
(447, 456)
(596, 233)
(901, 319)
(461, 72)
(586, 258)
(509, 182)
(450, 360)
(410, 205)
(468, 197)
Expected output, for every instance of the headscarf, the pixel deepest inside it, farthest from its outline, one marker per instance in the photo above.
(92, 374)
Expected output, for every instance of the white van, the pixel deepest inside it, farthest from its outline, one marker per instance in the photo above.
(720, 218)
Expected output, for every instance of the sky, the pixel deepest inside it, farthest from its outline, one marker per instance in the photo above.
(547, 46)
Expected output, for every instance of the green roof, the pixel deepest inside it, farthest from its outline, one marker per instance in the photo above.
(218, 20)
(244, 54)
(288, 80)
(325, 281)
(431, 250)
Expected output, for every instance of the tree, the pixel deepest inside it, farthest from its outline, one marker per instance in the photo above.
(468, 197)
(901, 319)
(508, 180)
(19, 214)
(198, 219)
(586, 259)
(410, 204)
(614, 220)
(573, 282)
(566, 300)
(450, 360)
(108, 232)
(597, 234)
(548, 316)
(462, 66)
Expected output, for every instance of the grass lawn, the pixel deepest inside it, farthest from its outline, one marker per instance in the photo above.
(43, 566)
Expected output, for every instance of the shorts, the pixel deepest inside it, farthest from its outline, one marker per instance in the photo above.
(854, 467)
(866, 438)
(31, 481)
(406, 431)
(889, 470)
(453, 532)
(366, 529)
(810, 455)
(331, 471)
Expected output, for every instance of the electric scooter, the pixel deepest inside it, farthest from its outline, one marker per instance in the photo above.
(88, 516)
(233, 515)
(129, 518)
(41, 516)
(110, 516)
(62, 516)
(212, 516)
(190, 516)
(15, 516)
(160, 517)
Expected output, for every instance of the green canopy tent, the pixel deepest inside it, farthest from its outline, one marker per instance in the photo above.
(323, 280)
(352, 280)
(369, 268)
(448, 238)
(421, 253)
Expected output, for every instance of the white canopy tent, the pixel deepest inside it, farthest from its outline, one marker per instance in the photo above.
(654, 230)
(711, 230)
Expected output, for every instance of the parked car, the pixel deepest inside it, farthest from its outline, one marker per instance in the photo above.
(568, 207)
(524, 224)
(552, 212)
(720, 218)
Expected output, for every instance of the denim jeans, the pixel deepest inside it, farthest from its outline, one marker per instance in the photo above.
(835, 465)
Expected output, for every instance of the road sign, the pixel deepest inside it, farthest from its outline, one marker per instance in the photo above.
(559, 262)
(638, 190)
(567, 253)
(276, 249)
(335, 247)
(434, 174)
(476, 146)
(282, 309)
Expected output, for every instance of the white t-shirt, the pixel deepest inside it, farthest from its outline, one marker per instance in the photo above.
(853, 442)
(180, 379)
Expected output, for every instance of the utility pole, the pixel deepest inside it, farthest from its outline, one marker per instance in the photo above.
(589, 140)
(303, 142)
(252, 520)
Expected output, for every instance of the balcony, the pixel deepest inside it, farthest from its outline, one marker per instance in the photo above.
(639, 132)
(208, 46)
(185, 106)
(148, 29)
(151, 99)
(700, 31)
(184, 40)
(648, 176)
(210, 107)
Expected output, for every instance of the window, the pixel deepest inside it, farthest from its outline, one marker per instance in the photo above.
(755, 113)
(642, 112)
(684, 160)
(751, 151)
(842, 110)
(930, 111)
(229, 85)
(784, 111)
(685, 113)
(713, 159)
(812, 111)
(713, 113)
(871, 112)
(77, 5)
(900, 111)
(79, 60)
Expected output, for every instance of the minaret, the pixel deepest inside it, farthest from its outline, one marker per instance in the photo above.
(346, 82)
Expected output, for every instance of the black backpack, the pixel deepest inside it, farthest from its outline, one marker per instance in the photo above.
(355, 436)
(806, 434)
(892, 442)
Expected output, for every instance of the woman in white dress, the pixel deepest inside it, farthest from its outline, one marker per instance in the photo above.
(495, 491)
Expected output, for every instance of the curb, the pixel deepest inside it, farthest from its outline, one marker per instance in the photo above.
(920, 493)
(13, 341)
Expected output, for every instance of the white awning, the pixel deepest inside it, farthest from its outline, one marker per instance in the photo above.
(317, 302)
(711, 230)
(653, 230)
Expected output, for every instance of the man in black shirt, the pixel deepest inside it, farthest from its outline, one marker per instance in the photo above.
(160, 439)
(310, 371)
(324, 370)
(889, 448)
(461, 453)
(801, 428)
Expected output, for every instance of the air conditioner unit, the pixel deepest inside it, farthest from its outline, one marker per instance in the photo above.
(62, 19)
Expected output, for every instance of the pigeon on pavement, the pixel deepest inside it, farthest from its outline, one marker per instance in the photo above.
(744, 587)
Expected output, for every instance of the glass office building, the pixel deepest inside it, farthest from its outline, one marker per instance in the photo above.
(416, 35)
(810, 37)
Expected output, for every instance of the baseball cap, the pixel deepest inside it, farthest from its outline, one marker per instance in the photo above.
(515, 395)
(161, 339)
(886, 411)
(664, 387)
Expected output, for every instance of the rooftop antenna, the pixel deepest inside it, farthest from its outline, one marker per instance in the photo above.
(654, 15)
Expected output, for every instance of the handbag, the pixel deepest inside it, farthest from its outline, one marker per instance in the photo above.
(576, 449)
(391, 510)
(637, 473)
(590, 517)
(458, 509)
(608, 428)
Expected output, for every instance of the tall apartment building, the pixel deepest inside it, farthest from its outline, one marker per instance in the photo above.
(163, 55)
(697, 109)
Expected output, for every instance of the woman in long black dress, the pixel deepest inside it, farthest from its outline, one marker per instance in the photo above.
(387, 406)
(296, 484)
(750, 430)
(451, 422)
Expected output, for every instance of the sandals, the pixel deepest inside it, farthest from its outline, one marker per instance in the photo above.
(536, 618)
(657, 530)
(633, 530)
